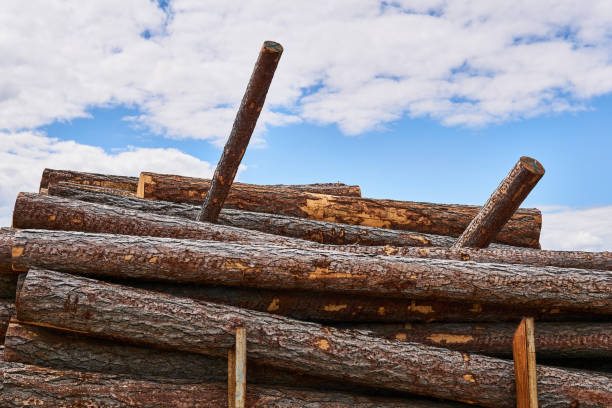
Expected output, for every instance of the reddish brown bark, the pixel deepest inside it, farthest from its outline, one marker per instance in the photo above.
(113, 311)
(502, 204)
(275, 267)
(312, 230)
(553, 340)
(244, 125)
(51, 176)
(7, 309)
(27, 386)
(443, 219)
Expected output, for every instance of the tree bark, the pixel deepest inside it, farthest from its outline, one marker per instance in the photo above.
(6, 242)
(553, 340)
(244, 125)
(51, 176)
(502, 204)
(343, 234)
(441, 219)
(302, 228)
(85, 305)
(332, 307)
(7, 309)
(274, 267)
(27, 386)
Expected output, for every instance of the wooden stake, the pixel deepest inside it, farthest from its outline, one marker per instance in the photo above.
(502, 204)
(244, 124)
(231, 378)
(240, 368)
(523, 349)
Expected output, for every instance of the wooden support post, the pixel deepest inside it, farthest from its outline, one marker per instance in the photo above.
(523, 349)
(236, 371)
(244, 124)
(502, 204)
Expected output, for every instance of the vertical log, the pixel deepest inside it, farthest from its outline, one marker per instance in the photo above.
(244, 124)
(523, 347)
(240, 367)
(502, 204)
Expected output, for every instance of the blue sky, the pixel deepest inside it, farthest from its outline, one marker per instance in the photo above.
(412, 100)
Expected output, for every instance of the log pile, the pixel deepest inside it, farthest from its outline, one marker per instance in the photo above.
(170, 291)
(133, 297)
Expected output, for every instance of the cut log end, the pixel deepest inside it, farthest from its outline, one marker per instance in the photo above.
(272, 46)
(532, 165)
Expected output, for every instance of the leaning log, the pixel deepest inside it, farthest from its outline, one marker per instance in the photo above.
(113, 311)
(275, 267)
(51, 176)
(303, 228)
(553, 340)
(333, 233)
(27, 386)
(7, 310)
(523, 229)
(333, 307)
(502, 204)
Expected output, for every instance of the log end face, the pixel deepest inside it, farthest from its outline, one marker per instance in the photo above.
(532, 165)
(272, 47)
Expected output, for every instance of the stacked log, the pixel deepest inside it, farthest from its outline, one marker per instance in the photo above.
(124, 295)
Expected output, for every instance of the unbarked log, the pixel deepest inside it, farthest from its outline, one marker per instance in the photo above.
(303, 228)
(51, 176)
(27, 386)
(244, 125)
(7, 310)
(333, 307)
(502, 204)
(523, 229)
(275, 267)
(113, 311)
(553, 340)
(333, 233)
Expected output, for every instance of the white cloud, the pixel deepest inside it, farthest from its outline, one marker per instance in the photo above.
(24, 155)
(577, 229)
(357, 64)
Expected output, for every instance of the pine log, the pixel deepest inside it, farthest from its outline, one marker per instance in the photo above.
(523, 229)
(27, 386)
(342, 234)
(91, 189)
(502, 204)
(303, 228)
(7, 310)
(58, 300)
(332, 307)
(244, 125)
(6, 242)
(51, 176)
(275, 267)
(552, 340)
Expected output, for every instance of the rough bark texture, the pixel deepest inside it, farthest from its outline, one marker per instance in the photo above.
(112, 311)
(51, 176)
(274, 267)
(502, 204)
(6, 242)
(89, 188)
(27, 386)
(244, 125)
(7, 309)
(553, 340)
(523, 229)
(303, 228)
(332, 307)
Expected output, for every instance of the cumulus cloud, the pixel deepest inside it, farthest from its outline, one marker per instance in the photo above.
(24, 155)
(577, 229)
(357, 64)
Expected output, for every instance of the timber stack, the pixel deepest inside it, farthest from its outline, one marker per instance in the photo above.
(172, 291)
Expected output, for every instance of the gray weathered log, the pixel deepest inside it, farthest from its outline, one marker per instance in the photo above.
(442, 219)
(113, 311)
(27, 386)
(553, 340)
(502, 204)
(303, 228)
(274, 267)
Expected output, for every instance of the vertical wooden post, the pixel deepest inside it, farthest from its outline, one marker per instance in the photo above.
(244, 124)
(523, 350)
(236, 371)
(502, 204)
